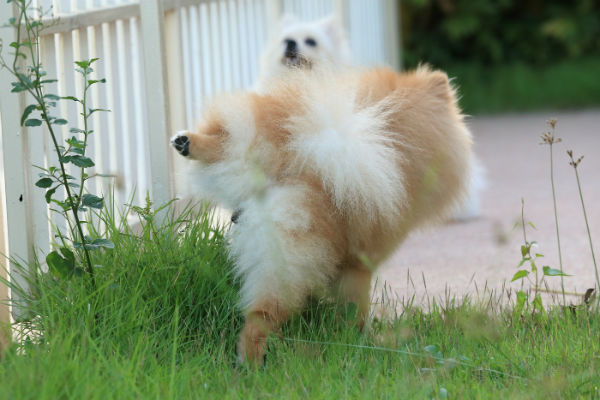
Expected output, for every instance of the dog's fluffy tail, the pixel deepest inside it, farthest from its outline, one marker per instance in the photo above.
(350, 148)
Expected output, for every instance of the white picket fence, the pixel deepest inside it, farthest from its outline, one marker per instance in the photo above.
(162, 60)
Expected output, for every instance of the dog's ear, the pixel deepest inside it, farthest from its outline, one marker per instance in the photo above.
(333, 28)
(437, 82)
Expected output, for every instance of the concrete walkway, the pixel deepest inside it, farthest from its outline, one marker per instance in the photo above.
(458, 257)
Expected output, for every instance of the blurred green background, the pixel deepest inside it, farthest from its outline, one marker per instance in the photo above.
(509, 55)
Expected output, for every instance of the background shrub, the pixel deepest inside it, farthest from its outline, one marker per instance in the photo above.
(444, 32)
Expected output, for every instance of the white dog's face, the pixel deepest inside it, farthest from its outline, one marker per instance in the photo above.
(305, 45)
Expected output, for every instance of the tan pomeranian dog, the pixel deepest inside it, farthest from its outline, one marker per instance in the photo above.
(330, 172)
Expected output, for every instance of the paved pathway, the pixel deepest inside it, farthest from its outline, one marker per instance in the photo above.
(459, 257)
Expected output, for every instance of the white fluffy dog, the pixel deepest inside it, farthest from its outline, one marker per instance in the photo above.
(299, 44)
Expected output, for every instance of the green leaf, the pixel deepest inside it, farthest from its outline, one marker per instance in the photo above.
(524, 250)
(523, 261)
(553, 272)
(25, 80)
(70, 98)
(532, 225)
(66, 206)
(82, 161)
(94, 244)
(48, 81)
(49, 194)
(520, 275)
(433, 350)
(28, 110)
(74, 142)
(52, 97)
(93, 110)
(521, 300)
(68, 255)
(18, 87)
(93, 201)
(103, 243)
(60, 121)
(61, 267)
(33, 122)
(44, 183)
(83, 63)
(76, 130)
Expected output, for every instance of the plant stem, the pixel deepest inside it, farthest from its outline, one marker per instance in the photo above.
(588, 228)
(528, 246)
(37, 94)
(562, 282)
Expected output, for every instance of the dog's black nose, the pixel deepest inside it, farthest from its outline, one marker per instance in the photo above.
(291, 47)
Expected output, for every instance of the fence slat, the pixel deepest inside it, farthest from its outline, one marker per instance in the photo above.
(7, 36)
(392, 33)
(140, 139)
(5, 334)
(15, 160)
(155, 72)
(176, 63)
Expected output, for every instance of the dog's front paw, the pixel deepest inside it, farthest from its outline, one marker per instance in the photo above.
(181, 142)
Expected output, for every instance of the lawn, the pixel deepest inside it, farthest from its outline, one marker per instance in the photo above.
(163, 324)
(519, 87)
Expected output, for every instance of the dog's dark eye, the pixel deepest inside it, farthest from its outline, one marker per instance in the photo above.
(310, 42)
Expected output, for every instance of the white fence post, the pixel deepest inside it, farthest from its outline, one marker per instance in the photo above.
(5, 334)
(393, 33)
(176, 88)
(339, 8)
(155, 72)
(15, 160)
(273, 15)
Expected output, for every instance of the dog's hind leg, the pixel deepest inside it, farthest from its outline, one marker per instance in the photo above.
(260, 322)
(285, 248)
(354, 286)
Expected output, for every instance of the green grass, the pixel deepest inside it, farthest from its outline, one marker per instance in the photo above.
(518, 87)
(163, 324)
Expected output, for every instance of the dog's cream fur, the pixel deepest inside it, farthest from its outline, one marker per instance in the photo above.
(331, 49)
(331, 172)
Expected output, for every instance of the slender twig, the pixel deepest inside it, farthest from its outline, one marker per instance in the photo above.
(575, 164)
(549, 139)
